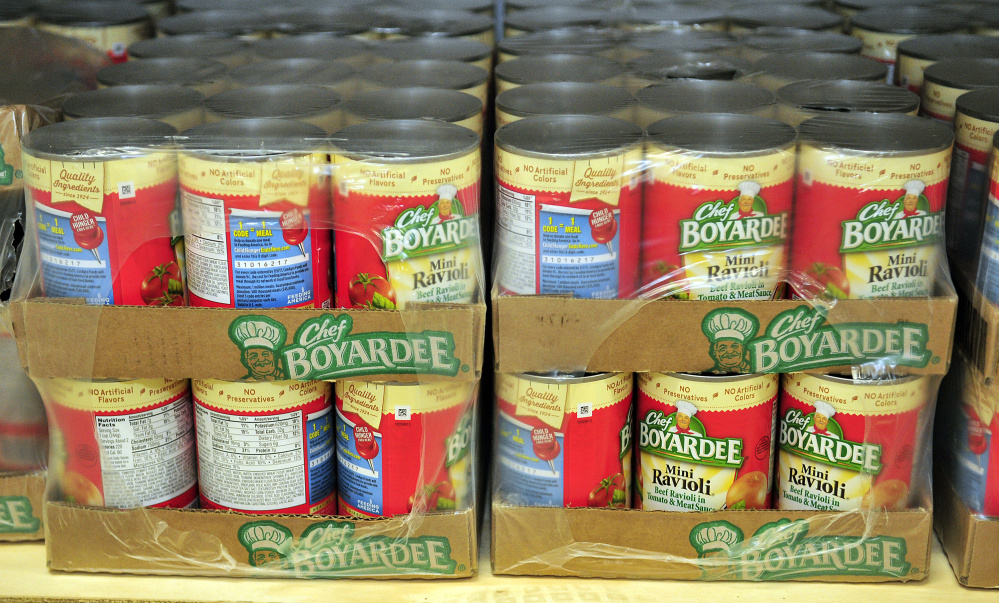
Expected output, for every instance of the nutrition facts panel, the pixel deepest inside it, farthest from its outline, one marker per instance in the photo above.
(252, 463)
(207, 254)
(147, 458)
(518, 235)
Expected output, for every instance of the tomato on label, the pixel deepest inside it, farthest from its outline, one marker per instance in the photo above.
(977, 443)
(824, 279)
(438, 497)
(162, 286)
(608, 493)
(372, 292)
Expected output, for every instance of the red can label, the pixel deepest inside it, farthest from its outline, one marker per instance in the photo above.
(569, 226)
(562, 443)
(256, 233)
(703, 443)
(103, 229)
(868, 226)
(407, 233)
(122, 444)
(402, 447)
(716, 228)
(846, 445)
(265, 447)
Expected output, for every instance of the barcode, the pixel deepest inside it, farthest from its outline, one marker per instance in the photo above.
(585, 410)
(401, 413)
(126, 190)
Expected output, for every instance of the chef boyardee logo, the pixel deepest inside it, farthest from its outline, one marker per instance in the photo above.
(459, 443)
(428, 230)
(681, 436)
(740, 222)
(17, 516)
(800, 339)
(330, 549)
(818, 437)
(884, 224)
(6, 170)
(324, 348)
(782, 550)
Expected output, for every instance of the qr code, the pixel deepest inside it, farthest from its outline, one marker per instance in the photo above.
(585, 410)
(402, 413)
(126, 190)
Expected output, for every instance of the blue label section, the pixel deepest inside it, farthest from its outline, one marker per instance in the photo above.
(68, 270)
(359, 481)
(571, 261)
(523, 478)
(319, 434)
(267, 271)
(971, 470)
(988, 264)
(969, 217)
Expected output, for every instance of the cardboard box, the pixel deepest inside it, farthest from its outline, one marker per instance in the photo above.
(730, 545)
(21, 502)
(969, 540)
(228, 544)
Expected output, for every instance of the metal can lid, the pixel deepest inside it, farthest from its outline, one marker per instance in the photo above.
(793, 16)
(557, 68)
(861, 5)
(568, 136)
(405, 141)
(340, 21)
(723, 133)
(980, 104)
(692, 40)
(424, 48)
(985, 16)
(414, 103)
(908, 19)
(564, 98)
(246, 139)
(836, 378)
(275, 100)
(712, 378)
(950, 46)
(963, 73)
(554, 17)
(132, 101)
(566, 378)
(194, 46)
(228, 22)
(453, 75)
(292, 71)
(821, 66)
(567, 40)
(323, 46)
(687, 65)
(705, 96)
(90, 13)
(437, 22)
(877, 133)
(847, 96)
(98, 139)
(187, 6)
(670, 15)
(161, 71)
(16, 9)
(529, 4)
(475, 6)
(802, 40)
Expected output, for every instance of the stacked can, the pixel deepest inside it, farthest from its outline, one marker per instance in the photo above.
(563, 98)
(918, 53)
(975, 124)
(200, 74)
(182, 108)
(678, 97)
(945, 81)
(804, 100)
(228, 51)
(313, 105)
(416, 103)
(109, 26)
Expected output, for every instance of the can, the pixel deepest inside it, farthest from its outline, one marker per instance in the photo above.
(265, 446)
(569, 203)
(881, 29)
(181, 108)
(564, 440)
(109, 26)
(662, 66)
(339, 77)
(849, 444)
(918, 53)
(314, 105)
(449, 75)
(973, 446)
(705, 443)
(479, 7)
(122, 444)
(416, 103)
(519, 5)
(256, 214)
(17, 13)
(240, 23)
(759, 44)
(677, 97)
(231, 52)
(442, 49)
(984, 20)
(340, 21)
(563, 98)
(692, 40)
(775, 71)
(24, 432)
(717, 206)
(750, 17)
(551, 17)
(859, 174)
(199, 74)
(944, 81)
(669, 17)
(157, 9)
(848, 8)
(321, 46)
(803, 100)
(987, 280)
(568, 40)
(406, 196)
(443, 23)
(556, 68)
(404, 446)
(975, 126)
(102, 192)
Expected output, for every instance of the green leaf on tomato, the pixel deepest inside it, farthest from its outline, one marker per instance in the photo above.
(739, 506)
(446, 504)
(618, 498)
(380, 302)
(835, 291)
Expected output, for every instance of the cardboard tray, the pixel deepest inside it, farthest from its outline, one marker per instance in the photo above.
(191, 542)
(969, 540)
(21, 499)
(755, 545)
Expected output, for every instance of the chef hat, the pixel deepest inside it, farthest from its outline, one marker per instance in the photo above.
(914, 187)
(686, 408)
(447, 191)
(257, 332)
(749, 188)
(257, 537)
(729, 325)
(716, 536)
(824, 408)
